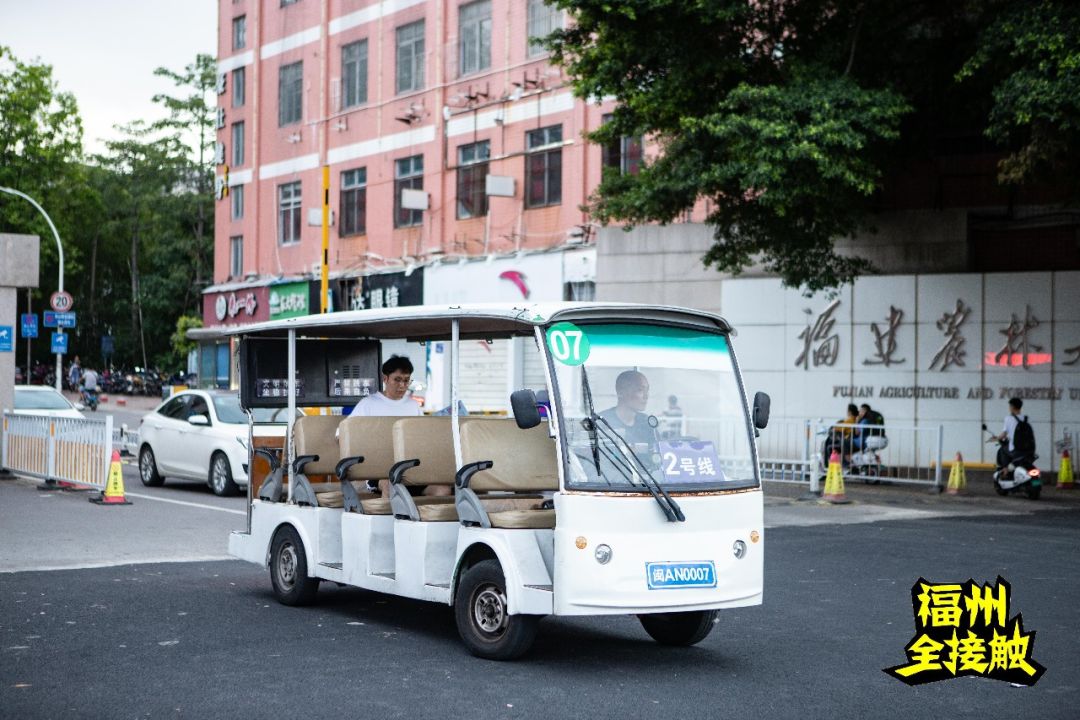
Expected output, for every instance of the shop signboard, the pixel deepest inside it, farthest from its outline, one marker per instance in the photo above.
(289, 300)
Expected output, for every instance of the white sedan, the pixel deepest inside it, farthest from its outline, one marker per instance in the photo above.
(44, 401)
(200, 435)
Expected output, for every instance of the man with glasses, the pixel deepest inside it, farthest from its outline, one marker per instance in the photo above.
(393, 400)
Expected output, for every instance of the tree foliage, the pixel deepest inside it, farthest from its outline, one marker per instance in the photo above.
(786, 117)
(136, 221)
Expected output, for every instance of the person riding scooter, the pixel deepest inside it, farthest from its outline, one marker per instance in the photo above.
(89, 388)
(1016, 454)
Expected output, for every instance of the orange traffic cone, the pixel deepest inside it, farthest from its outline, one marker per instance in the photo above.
(1065, 472)
(957, 477)
(114, 488)
(834, 481)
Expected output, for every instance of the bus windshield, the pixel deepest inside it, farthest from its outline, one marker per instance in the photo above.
(645, 404)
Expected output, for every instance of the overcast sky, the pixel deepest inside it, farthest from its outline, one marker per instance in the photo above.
(105, 51)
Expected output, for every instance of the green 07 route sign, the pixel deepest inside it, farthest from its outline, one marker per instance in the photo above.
(568, 343)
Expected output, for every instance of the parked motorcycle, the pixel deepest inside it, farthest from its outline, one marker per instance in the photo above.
(89, 398)
(865, 461)
(1015, 475)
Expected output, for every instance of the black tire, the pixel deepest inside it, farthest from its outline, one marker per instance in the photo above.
(220, 478)
(1033, 491)
(483, 619)
(1000, 490)
(679, 628)
(148, 471)
(288, 569)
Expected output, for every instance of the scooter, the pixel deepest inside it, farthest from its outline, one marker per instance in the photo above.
(1015, 475)
(89, 398)
(864, 462)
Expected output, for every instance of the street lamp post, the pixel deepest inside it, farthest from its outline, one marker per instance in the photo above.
(60, 288)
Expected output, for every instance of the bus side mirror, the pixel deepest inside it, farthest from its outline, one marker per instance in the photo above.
(761, 410)
(523, 403)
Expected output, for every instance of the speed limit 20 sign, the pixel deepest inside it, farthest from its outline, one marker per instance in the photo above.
(61, 301)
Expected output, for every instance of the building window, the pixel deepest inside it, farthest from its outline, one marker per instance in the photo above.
(290, 93)
(542, 21)
(471, 175)
(474, 37)
(353, 202)
(289, 213)
(354, 58)
(237, 144)
(622, 154)
(543, 166)
(580, 290)
(237, 195)
(236, 256)
(238, 90)
(408, 175)
(239, 32)
(288, 2)
(410, 57)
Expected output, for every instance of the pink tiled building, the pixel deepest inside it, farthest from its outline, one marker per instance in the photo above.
(447, 134)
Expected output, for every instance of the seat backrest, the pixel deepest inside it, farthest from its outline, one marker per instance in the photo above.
(314, 435)
(372, 438)
(523, 460)
(429, 440)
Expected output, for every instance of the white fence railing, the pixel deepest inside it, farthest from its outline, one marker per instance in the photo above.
(73, 450)
(795, 451)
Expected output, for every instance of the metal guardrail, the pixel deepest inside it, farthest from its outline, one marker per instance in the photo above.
(73, 450)
(793, 451)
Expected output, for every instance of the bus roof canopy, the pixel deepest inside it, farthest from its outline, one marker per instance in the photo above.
(432, 322)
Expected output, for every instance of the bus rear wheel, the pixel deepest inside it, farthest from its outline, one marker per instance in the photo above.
(483, 615)
(679, 628)
(288, 569)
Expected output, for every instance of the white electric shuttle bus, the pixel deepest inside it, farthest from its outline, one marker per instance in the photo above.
(580, 501)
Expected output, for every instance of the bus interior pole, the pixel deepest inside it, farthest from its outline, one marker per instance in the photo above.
(290, 384)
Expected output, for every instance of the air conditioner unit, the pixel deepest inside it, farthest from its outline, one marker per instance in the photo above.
(314, 217)
(220, 86)
(220, 118)
(219, 153)
(414, 199)
(499, 185)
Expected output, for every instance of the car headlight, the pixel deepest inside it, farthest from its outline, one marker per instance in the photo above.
(242, 441)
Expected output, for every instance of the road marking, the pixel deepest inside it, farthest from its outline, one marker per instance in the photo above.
(185, 502)
(116, 563)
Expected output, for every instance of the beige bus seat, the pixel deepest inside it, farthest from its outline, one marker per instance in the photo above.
(424, 456)
(499, 456)
(317, 453)
(372, 439)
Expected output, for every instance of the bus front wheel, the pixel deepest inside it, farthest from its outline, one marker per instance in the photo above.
(288, 569)
(679, 628)
(483, 616)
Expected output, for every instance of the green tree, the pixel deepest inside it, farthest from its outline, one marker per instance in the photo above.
(787, 117)
(1032, 51)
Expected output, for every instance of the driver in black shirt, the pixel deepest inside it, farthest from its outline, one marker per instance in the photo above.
(628, 417)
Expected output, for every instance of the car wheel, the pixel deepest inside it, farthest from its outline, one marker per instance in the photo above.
(483, 615)
(288, 569)
(148, 472)
(679, 628)
(1033, 491)
(221, 481)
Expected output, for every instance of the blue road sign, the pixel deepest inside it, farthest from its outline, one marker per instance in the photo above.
(49, 318)
(59, 343)
(65, 319)
(7, 338)
(29, 325)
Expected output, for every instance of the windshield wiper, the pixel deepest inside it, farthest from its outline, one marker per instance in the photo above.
(671, 509)
(590, 427)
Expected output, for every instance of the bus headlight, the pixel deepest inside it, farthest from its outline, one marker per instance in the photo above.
(602, 554)
(739, 549)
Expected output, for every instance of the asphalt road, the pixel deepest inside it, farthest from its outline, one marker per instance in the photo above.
(206, 639)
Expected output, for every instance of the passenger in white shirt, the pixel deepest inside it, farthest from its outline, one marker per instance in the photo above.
(394, 401)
